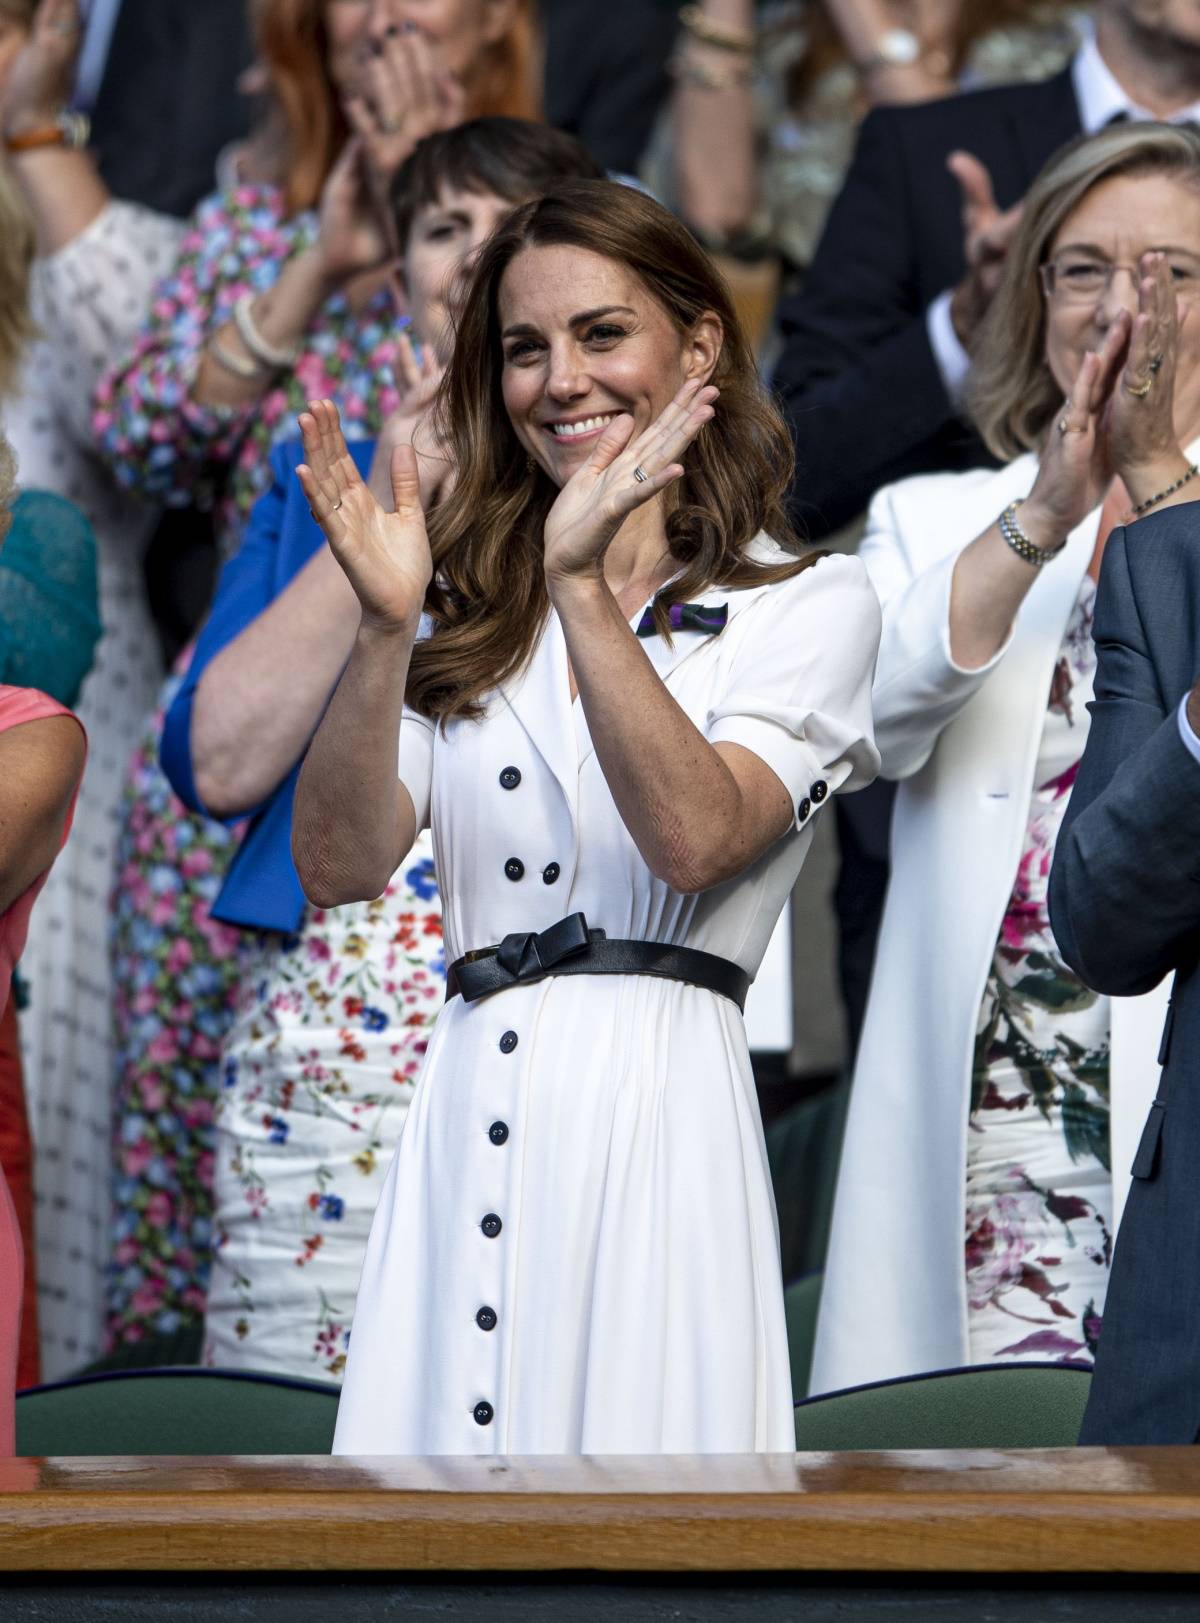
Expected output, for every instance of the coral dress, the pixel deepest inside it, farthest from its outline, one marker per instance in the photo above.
(17, 706)
(576, 1248)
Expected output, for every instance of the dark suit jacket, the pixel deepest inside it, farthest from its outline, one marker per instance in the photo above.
(857, 375)
(1125, 906)
(168, 100)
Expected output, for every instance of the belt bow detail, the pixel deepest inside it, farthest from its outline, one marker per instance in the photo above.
(707, 618)
(525, 956)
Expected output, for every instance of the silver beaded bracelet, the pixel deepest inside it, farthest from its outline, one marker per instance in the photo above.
(1020, 542)
(278, 360)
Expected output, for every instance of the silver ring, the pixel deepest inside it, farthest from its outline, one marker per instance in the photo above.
(1155, 365)
(336, 505)
(640, 474)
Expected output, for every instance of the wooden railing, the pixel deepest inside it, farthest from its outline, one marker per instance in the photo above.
(1085, 1510)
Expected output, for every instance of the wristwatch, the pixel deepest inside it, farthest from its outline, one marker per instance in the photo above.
(897, 48)
(69, 129)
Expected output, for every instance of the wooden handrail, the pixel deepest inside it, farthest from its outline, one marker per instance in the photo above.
(1081, 1510)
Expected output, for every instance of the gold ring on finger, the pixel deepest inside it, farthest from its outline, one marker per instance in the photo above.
(1064, 427)
(336, 505)
(1139, 390)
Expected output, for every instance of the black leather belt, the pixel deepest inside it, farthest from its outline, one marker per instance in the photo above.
(570, 948)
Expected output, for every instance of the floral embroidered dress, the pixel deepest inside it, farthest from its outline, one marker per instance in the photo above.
(1039, 1196)
(318, 1072)
(178, 969)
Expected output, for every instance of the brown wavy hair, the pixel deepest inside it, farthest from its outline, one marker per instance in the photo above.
(309, 128)
(488, 599)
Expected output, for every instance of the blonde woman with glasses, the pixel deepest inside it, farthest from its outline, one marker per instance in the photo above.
(975, 1211)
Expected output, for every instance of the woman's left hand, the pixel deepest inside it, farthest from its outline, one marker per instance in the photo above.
(597, 498)
(1139, 423)
(404, 93)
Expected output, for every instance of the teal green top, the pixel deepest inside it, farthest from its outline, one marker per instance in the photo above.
(49, 597)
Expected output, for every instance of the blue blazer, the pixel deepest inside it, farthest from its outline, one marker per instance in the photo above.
(262, 889)
(1125, 906)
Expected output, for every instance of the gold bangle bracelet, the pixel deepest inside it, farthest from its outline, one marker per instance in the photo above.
(725, 39)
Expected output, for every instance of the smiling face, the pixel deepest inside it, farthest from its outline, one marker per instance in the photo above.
(584, 340)
(1117, 222)
(443, 242)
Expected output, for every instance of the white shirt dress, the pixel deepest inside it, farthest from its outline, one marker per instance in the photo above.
(576, 1248)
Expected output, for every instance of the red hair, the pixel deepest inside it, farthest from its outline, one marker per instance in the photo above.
(312, 130)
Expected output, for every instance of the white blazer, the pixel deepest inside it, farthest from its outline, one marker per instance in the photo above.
(965, 745)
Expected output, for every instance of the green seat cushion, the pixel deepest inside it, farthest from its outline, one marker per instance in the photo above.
(991, 1406)
(181, 1411)
(801, 1300)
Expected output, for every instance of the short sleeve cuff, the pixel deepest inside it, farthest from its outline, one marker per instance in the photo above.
(1190, 742)
(953, 362)
(796, 766)
(414, 767)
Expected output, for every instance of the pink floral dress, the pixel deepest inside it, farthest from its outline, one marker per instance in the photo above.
(318, 1071)
(176, 969)
(1039, 1191)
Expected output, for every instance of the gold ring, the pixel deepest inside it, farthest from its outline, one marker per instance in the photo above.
(1140, 390)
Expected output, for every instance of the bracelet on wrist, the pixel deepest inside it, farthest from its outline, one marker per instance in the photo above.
(63, 129)
(241, 366)
(1136, 511)
(272, 356)
(1024, 548)
(687, 69)
(741, 41)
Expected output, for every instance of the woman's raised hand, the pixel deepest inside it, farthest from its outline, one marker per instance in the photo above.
(1075, 470)
(39, 82)
(599, 496)
(385, 556)
(1139, 418)
(404, 93)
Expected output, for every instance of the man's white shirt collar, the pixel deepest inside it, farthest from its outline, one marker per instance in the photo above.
(1101, 98)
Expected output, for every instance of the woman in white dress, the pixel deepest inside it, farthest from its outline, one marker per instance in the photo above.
(575, 1249)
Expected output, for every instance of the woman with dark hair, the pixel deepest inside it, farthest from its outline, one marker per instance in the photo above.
(630, 700)
(282, 289)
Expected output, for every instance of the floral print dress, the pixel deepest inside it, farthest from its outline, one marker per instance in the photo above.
(1039, 1192)
(318, 1071)
(178, 969)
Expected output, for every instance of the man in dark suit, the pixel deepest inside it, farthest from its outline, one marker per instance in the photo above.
(874, 344)
(1125, 907)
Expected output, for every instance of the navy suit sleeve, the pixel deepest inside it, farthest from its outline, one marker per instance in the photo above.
(246, 587)
(1125, 883)
(857, 376)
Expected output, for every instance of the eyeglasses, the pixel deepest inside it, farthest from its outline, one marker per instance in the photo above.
(1078, 279)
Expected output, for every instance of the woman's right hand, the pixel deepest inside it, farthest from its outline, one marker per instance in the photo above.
(1073, 473)
(405, 92)
(351, 237)
(39, 82)
(385, 556)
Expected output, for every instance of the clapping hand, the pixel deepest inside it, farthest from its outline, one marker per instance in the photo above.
(351, 237)
(1139, 419)
(624, 471)
(39, 82)
(385, 556)
(987, 233)
(410, 424)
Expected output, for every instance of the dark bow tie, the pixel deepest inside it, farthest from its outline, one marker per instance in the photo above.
(701, 617)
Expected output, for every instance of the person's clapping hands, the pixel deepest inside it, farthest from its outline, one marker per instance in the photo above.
(988, 231)
(412, 424)
(1138, 429)
(38, 86)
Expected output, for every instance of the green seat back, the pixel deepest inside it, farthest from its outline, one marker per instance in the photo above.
(179, 1411)
(991, 1406)
(804, 1147)
(800, 1302)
